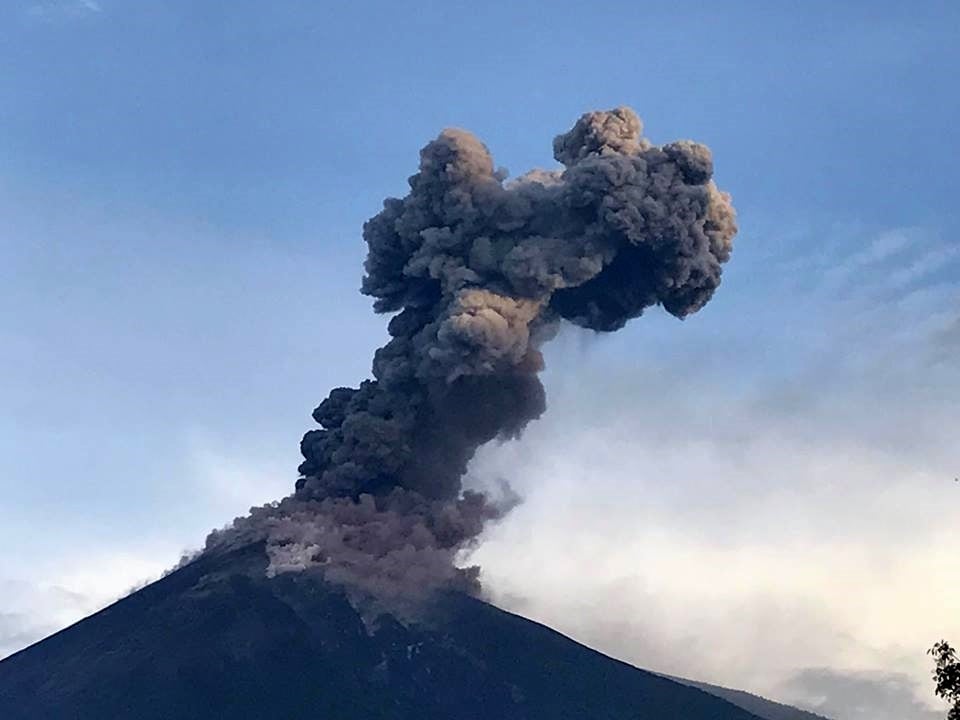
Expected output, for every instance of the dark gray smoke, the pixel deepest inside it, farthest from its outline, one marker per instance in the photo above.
(480, 272)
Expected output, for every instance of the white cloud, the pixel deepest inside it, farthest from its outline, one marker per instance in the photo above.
(741, 554)
(742, 568)
(30, 612)
(62, 590)
(63, 9)
(855, 695)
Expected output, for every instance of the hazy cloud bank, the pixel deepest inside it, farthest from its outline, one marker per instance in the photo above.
(771, 509)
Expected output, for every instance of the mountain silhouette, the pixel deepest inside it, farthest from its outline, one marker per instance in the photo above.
(219, 639)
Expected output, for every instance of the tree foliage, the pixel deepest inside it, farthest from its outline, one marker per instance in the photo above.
(946, 674)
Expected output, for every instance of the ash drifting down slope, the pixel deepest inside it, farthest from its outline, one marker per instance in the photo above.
(480, 272)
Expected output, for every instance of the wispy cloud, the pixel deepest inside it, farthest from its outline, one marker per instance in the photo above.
(63, 9)
(56, 591)
(32, 611)
(857, 695)
(62, 590)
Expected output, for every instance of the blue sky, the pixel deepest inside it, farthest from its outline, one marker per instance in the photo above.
(182, 187)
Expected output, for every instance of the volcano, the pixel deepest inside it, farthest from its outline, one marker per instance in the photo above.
(219, 639)
(478, 274)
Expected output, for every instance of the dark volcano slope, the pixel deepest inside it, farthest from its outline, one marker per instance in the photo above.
(217, 639)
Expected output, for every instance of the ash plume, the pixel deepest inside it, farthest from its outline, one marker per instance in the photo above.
(479, 273)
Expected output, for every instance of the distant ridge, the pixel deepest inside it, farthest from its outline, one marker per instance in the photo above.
(759, 706)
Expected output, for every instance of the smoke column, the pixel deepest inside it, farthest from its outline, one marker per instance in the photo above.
(480, 272)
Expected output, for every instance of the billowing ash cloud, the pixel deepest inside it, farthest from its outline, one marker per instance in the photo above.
(479, 272)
